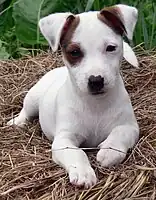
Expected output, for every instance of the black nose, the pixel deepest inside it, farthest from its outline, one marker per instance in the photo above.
(95, 83)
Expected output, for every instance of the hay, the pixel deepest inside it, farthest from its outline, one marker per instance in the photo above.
(26, 169)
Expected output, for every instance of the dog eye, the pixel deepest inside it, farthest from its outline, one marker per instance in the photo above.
(75, 53)
(111, 48)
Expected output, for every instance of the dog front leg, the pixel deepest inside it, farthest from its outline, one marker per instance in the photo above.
(74, 160)
(114, 148)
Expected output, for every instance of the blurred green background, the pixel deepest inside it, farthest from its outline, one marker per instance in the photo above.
(20, 35)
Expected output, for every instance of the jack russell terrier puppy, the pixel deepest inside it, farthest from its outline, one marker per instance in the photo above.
(85, 103)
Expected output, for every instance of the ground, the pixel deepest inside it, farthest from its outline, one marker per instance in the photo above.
(26, 168)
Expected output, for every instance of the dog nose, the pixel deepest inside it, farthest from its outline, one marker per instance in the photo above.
(95, 83)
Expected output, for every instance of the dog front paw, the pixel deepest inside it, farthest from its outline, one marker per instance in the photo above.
(82, 176)
(109, 157)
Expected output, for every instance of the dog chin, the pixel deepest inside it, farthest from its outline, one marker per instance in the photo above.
(90, 93)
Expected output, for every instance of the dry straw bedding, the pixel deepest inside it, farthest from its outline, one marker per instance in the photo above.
(26, 169)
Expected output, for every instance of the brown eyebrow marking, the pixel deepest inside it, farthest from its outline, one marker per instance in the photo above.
(112, 17)
(72, 46)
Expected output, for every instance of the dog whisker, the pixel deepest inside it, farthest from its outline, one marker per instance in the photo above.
(87, 149)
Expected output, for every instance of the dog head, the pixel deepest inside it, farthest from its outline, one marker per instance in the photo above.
(92, 44)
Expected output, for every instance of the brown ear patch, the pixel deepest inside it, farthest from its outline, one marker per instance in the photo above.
(113, 18)
(68, 29)
(71, 51)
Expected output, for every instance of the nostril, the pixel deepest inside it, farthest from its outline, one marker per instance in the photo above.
(91, 78)
(94, 79)
(100, 78)
(95, 83)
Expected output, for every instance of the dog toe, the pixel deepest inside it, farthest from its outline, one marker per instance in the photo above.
(82, 176)
(16, 121)
(110, 157)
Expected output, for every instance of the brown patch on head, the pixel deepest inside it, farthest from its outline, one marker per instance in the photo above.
(68, 29)
(71, 51)
(112, 16)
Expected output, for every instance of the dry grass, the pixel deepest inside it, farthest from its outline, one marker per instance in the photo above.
(26, 169)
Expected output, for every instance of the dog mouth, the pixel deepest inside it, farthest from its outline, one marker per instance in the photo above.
(97, 92)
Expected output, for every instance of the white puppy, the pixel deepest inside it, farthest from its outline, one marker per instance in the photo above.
(85, 103)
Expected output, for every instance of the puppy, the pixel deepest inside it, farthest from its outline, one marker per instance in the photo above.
(85, 103)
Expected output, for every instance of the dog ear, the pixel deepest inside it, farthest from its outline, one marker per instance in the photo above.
(129, 55)
(122, 19)
(52, 25)
(130, 16)
(113, 18)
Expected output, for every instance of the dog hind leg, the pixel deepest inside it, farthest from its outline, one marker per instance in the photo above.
(29, 110)
(20, 120)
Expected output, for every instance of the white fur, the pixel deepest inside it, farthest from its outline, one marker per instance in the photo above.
(129, 55)
(69, 115)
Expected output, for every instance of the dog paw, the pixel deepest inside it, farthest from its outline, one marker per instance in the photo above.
(16, 121)
(110, 157)
(82, 176)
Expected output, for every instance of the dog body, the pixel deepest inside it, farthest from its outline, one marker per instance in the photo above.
(85, 103)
